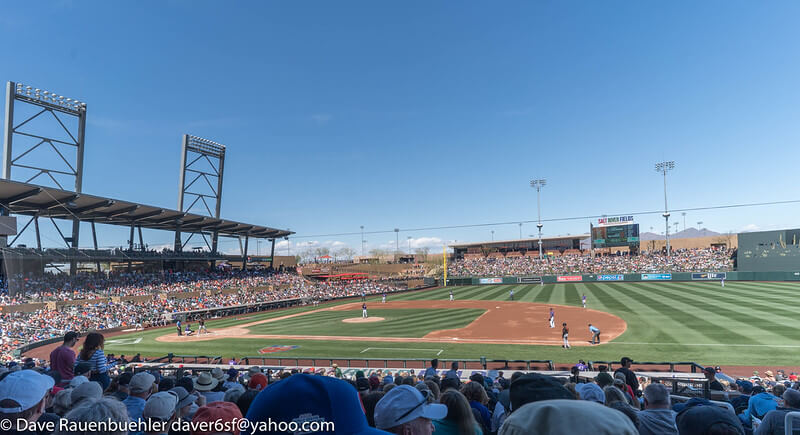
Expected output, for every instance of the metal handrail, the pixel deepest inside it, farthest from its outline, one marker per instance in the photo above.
(692, 365)
(788, 421)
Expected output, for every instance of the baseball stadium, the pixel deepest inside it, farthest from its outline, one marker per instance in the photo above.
(119, 305)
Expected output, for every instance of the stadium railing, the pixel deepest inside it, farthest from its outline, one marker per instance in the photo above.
(789, 421)
(414, 362)
(170, 358)
(693, 366)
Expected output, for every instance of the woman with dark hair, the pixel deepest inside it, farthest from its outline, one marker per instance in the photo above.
(477, 397)
(92, 352)
(459, 420)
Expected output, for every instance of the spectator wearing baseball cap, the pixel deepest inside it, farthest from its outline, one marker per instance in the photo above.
(217, 412)
(82, 368)
(97, 410)
(567, 417)
(23, 395)
(321, 398)
(257, 382)
(591, 392)
(703, 419)
(140, 387)
(534, 387)
(160, 407)
(77, 380)
(185, 402)
(405, 410)
(85, 391)
(62, 358)
(233, 376)
(711, 376)
(123, 384)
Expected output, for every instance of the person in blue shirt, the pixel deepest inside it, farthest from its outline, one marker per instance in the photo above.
(595, 334)
(92, 352)
(140, 387)
(431, 371)
(760, 404)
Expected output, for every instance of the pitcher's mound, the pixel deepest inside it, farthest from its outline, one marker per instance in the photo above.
(363, 320)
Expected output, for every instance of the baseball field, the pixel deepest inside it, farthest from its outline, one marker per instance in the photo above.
(744, 323)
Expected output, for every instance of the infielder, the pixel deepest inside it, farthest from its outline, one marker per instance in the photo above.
(722, 281)
(363, 296)
(364, 311)
(595, 334)
(383, 300)
(451, 296)
(511, 293)
(552, 318)
(565, 335)
(583, 299)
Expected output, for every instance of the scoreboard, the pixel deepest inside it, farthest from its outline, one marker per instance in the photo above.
(615, 235)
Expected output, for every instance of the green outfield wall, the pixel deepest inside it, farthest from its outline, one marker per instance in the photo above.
(629, 277)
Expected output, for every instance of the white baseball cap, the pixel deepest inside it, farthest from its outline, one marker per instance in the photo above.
(26, 387)
(405, 403)
(161, 405)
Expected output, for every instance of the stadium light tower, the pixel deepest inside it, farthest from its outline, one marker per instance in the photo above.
(538, 184)
(663, 168)
(493, 235)
(362, 240)
(684, 220)
(396, 241)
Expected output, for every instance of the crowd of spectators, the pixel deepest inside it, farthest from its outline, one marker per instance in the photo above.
(62, 286)
(682, 260)
(20, 328)
(402, 402)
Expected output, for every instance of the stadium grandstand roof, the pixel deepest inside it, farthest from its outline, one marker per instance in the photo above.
(505, 242)
(30, 199)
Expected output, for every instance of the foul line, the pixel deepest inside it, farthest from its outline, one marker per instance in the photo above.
(403, 348)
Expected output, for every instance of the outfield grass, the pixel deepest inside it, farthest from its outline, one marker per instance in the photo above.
(745, 323)
(396, 323)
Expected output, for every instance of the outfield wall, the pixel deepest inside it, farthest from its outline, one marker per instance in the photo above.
(630, 277)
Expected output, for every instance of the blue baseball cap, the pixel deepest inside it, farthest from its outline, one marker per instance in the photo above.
(302, 397)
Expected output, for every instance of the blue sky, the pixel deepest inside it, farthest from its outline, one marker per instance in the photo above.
(416, 114)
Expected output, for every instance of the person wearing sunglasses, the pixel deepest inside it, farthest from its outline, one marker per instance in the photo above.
(404, 410)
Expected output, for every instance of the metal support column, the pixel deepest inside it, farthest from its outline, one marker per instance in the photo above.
(130, 247)
(94, 242)
(9, 133)
(141, 240)
(244, 253)
(178, 243)
(38, 236)
(272, 255)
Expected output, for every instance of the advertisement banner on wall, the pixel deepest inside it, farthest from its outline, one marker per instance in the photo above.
(530, 279)
(709, 275)
(656, 276)
(569, 278)
(490, 281)
(610, 277)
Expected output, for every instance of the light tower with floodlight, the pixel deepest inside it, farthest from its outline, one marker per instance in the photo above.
(538, 184)
(663, 168)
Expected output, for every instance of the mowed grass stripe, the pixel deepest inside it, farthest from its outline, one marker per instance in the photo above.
(499, 293)
(558, 296)
(720, 305)
(571, 296)
(692, 316)
(592, 301)
(757, 292)
(431, 322)
(523, 292)
(661, 328)
(778, 305)
(398, 323)
(545, 294)
(531, 295)
(787, 288)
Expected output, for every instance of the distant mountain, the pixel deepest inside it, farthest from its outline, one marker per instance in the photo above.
(685, 234)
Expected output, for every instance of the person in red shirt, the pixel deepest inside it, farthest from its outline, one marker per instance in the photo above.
(62, 358)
